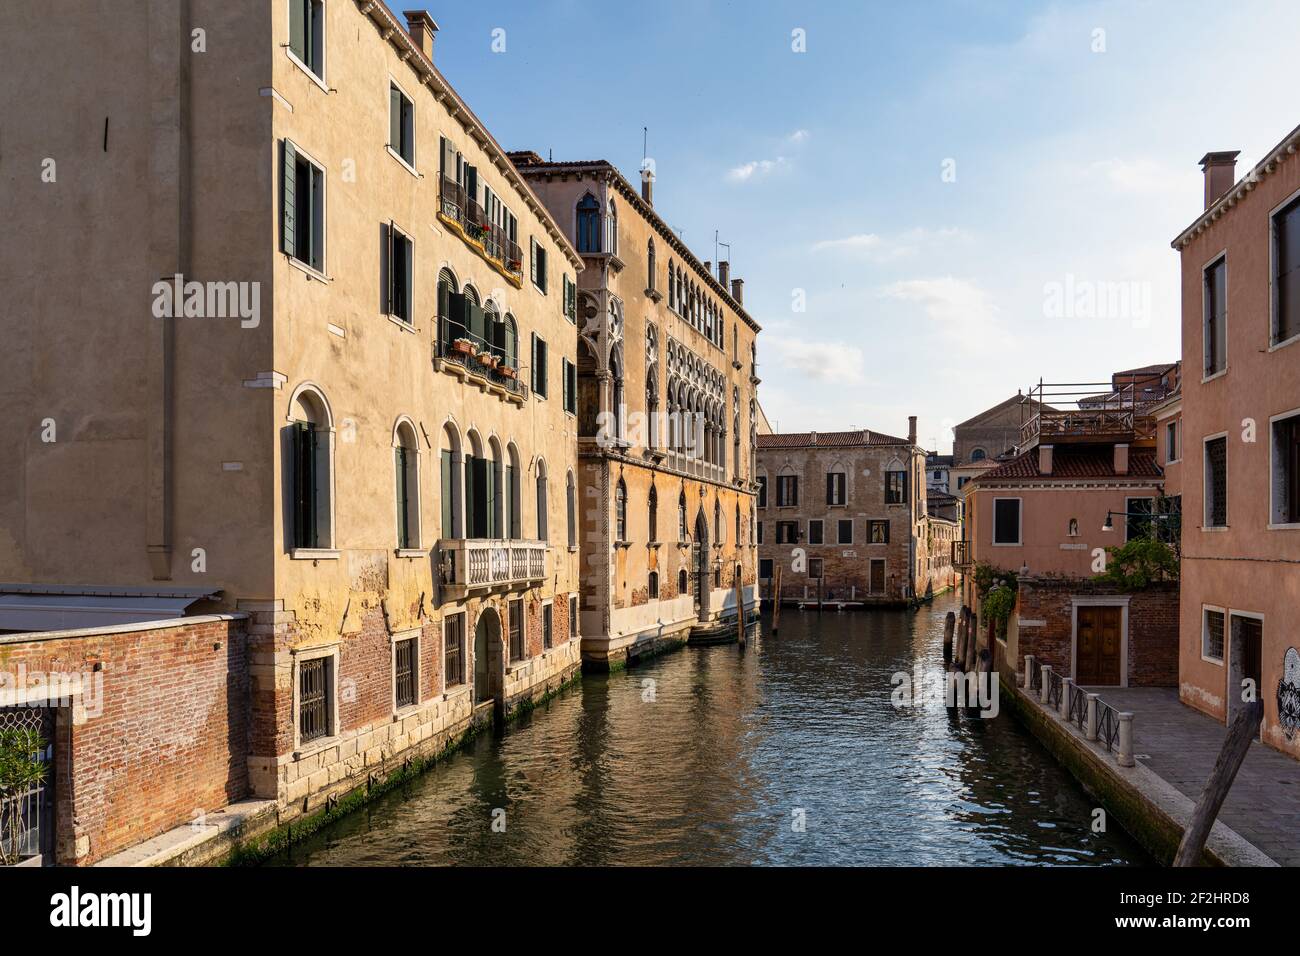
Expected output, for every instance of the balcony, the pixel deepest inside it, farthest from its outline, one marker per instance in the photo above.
(1082, 412)
(467, 218)
(470, 565)
(488, 362)
(962, 559)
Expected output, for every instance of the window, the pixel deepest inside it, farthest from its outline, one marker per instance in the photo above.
(787, 532)
(408, 488)
(815, 568)
(759, 537)
(846, 531)
(682, 583)
(1216, 316)
(571, 509)
(573, 617)
(765, 569)
(1212, 635)
(762, 491)
(620, 511)
(542, 503)
(895, 487)
(1006, 521)
(835, 487)
(1286, 470)
(569, 372)
(570, 299)
(401, 124)
(309, 463)
(1286, 272)
(449, 486)
(787, 491)
(315, 698)
(717, 521)
(539, 366)
(815, 531)
(681, 516)
(406, 671)
(589, 224)
(302, 208)
(453, 650)
(516, 616)
(538, 260)
(978, 454)
(653, 585)
(1171, 442)
(307, 34)
(1137, 523)
(1216, 483)
(878, 532)
(399, 268)
(653, 514)
(547, 638)
(650, 265)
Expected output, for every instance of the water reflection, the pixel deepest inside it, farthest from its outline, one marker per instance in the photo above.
(715, 755)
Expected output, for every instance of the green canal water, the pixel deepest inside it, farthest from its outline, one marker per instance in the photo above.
(789, 751)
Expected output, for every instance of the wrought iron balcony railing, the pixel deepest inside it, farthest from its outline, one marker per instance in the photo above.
(492, 361)
(457, 206)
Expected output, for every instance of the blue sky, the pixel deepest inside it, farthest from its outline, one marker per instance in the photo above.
(930, 181)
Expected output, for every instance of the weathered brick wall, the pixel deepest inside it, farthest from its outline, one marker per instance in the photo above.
(168, 739)
(365, 674)
(1152, 627)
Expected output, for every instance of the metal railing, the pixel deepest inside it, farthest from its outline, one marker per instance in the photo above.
(961, 554)
(1107, 725)
(27, 818)
(456, 343)
(456, 205)
(1054, 685)
(1077, 709)
(1083, 410)
(1034, 678)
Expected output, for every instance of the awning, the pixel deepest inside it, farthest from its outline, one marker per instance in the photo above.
(40, 607)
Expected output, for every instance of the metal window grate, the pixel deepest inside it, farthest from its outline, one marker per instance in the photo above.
(453, 662)
(27, 817)
(516, 631)
(546, 626)
(405, 670)
(314, 698)
(1216, 473)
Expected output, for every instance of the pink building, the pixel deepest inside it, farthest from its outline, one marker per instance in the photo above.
(1241, 443)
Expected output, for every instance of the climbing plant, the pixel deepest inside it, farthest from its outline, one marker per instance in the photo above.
(987, 575)
(18, 773)
(1139, 563)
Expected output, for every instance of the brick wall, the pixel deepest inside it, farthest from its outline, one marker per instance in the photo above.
(1152, 627)
(167, 740)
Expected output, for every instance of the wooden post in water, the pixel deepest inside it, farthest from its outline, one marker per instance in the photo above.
(776, 603)
(949, 623)
(1245, 728)
(740, 613)
(819, 595)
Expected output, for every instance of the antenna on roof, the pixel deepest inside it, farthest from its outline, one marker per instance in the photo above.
(645, 143)
(550, 155)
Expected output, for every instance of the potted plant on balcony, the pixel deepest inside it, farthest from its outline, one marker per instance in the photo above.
(486, 359)
(507, 371)
(464, 346)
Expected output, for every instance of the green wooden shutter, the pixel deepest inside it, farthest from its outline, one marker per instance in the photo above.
(298, 29)
(395, 120)
(467, 515)
(288, 192)
(511, 529)
(403, 504)
(304, 485)
(490, 473)
(389, 279)
(448, 527)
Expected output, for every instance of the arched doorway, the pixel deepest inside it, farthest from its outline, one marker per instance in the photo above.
(489, 659)
(700, 564)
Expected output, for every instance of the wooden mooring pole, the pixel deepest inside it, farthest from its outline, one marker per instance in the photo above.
(1245, 728)
(949, 623)
(740, 612)
(776, 602)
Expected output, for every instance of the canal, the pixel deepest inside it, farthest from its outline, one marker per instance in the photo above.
(790, 751)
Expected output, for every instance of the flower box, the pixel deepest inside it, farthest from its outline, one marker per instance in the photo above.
(507, 372)
(487, 359)
(464, 346)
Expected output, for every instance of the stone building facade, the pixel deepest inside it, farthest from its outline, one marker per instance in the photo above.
(844, 514)
(666, 390)
(325, 389)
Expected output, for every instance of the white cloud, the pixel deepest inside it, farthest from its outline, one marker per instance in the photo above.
(869, 245)
(758, 169)
(961, 312)
(821, 361)
(798, 136)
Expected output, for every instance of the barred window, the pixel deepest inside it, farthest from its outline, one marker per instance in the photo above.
(1212, 635)
(546, 626)
(405, 671)
(516, 631)
(453, 654)
(1216, 483)
(315, 698)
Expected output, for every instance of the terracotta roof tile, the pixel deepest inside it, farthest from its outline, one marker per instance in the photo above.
(1070, 464)
(827, 439)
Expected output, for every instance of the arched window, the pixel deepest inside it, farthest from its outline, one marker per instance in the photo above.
(613, 228)
(589, 224)
(681, 581)
(738, 524)
(653, 514)
(681, 516)
(653, 585)
(496, 490)
(511, 346)
(571, 509)
(717, 520)
(542, 502)
(650, 265)
(449, 468)
(447, 334)
(672, 286)
(478, 489)
(513, 525)
(616, 399)
(978, 455)
(620, 511)
(406, 457)
(309, 460)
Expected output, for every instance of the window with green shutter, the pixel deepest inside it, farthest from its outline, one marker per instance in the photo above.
(307, 34)
(539, 366)
(305, 528)
(401, 124)
(302, 207)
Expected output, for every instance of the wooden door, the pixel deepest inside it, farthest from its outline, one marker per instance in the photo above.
(1098, 652)
(877, 576)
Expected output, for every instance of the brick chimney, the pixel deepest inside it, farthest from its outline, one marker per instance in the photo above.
(1121, 459)
(648, 186)
(911, 429)
(1044, 459)
(1220, 173)
(738, 291)
(421, 28)
(724, 273)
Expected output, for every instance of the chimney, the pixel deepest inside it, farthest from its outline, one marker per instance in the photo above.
(422, 28)
(1121, 459)
(648, 186)
(738, 291)
(911, 429)
(1220, 174)
(724, 273)
(1044, 459)
(813, 440)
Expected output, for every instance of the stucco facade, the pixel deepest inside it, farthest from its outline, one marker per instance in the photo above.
(1241, 569)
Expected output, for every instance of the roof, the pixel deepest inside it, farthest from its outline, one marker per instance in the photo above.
(1013, 400)
(862, 436)
(1237, 192)
(529, 163)
(1075, 463)
(938, 461)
